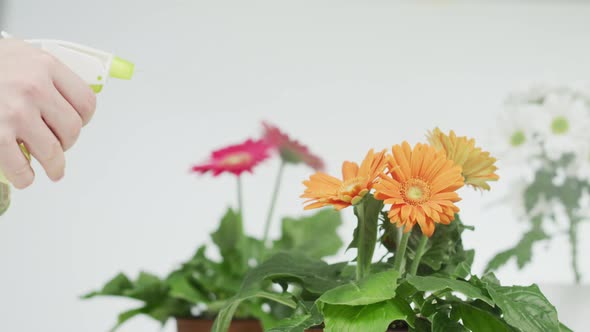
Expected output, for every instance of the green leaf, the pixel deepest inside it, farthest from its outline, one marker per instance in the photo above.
(115, 287)
(477, 319)
(224, 318)
(229, 233)
(541, 187)
(367, 213)
(525, 308)
(230, 240)
(182, 288)
(127, 315)
(390, 236)
(435, 284)
(463, 269)
(314, 275)
(374, 288)
(522, 251)
(422, 325)
(442, 323)
(226, 314)
(315, 235)
(444, 253)
(563, 328)
(375, 317)
(148, 288)
(299, 323)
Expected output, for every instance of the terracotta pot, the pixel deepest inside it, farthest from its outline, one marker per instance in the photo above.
(204, 325)
(237, 325)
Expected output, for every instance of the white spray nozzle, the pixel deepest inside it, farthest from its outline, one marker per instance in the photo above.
(92, 65)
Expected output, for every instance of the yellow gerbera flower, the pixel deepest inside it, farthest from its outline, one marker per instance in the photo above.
(478, 166)
(420, 187)
(323, 189)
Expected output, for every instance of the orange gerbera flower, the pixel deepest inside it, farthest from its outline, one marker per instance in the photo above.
(420, 187)
(323, 189)
(478, 166)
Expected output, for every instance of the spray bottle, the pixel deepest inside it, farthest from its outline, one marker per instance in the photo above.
(92, 65)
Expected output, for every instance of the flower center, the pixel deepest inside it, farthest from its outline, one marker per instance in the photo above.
(560, 125)
(235, 159)
(518, 138)
(353, 190)
(416, 191)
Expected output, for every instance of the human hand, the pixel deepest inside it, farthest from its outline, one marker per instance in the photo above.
(42, 104)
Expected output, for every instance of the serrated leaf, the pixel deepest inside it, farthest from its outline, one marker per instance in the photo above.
(115, 287)
(127, 315)
(182, 288)
(444, 250)
(315, 235)
(148, 288)
(315, 275)
(434, 284)
(542, 186)
(224, 318)
(299, 323)
(422, 325)
(463, 269)
(477, 319)
(375, 317)
(374, 288)
(442, 323)
(522, 251)
(390, 236)
(230, 240)
(525, 308)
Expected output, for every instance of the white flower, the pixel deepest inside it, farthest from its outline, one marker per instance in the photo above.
(580, 166)
(514, 141)
(564, 126)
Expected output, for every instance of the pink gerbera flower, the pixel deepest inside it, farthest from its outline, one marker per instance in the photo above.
(291, 150)
(235, 159)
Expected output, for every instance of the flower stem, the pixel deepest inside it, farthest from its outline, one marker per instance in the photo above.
(419, 254)
(401, 252)
(240, 200)
(361, 271)
(273, 201)
(573, 237)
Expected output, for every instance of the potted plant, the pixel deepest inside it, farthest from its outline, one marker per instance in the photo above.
(194, 292)
(406, 200)
(544, 136)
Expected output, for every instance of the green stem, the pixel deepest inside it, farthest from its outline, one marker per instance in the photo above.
(361, 269)
(273, 201)
(401, 252)
(240, 200)
(573, 236)
(419, 254)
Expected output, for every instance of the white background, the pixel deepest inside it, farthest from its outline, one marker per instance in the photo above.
(345, 76)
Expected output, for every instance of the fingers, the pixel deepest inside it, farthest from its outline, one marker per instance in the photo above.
(73, 89)
(13, 163)
(63, 119)
(45, 147)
